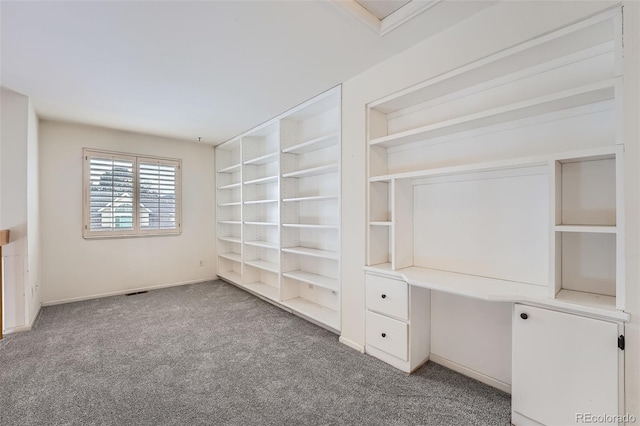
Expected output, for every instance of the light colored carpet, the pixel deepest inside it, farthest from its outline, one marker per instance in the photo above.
(212, 354)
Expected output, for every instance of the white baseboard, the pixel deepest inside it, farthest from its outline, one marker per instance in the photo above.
(130, 290)
(25, 327)
(35, 316)
(505, 387)
(518, 419)
(18, 329)
(351, 344)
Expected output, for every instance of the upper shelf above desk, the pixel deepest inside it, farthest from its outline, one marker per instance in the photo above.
(495, 290)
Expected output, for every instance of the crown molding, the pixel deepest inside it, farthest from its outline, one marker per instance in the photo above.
(391, 22)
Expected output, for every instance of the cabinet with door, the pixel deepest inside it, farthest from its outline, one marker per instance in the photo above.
(565, 367)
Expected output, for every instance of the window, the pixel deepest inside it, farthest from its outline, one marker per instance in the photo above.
(130, 195)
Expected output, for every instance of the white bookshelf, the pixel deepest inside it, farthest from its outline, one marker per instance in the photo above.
(260, 154)
(283, 219)
(229, 210)
(475, 139)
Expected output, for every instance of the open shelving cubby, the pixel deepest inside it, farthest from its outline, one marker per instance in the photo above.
(280, 210)
(229, 210)
(260, 159)
(310, 217)
(502, 179)
(588, 223)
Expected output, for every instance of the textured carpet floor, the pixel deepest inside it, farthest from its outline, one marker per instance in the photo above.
(212, 354)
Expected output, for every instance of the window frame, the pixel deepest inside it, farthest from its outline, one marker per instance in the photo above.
(135, 159)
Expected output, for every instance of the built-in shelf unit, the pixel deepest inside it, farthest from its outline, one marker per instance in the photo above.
(510, 169)
(279, 210)
(503, 181)
(229, 210)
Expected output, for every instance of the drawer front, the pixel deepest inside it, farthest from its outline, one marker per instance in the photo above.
(387, 296)
(388, 335)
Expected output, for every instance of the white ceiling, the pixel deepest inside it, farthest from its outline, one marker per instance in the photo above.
(209, 69)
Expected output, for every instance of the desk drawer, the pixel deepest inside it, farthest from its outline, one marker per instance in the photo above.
(387, 296)
(388, 335)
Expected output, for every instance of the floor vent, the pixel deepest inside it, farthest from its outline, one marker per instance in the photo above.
(137, 292)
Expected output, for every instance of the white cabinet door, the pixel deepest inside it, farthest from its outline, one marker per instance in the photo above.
(563, 365)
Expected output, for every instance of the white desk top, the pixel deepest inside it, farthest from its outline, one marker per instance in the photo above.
(496, 290)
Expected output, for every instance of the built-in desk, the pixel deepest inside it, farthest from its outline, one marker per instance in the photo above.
(567, 352)
(495, 290)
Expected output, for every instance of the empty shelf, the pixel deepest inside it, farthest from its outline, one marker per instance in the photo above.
(263, 159)
(232, 276)
(261, 201)
(380, 223)
(231, 256)
(313, 171)
(515, 163)
(588, 94)
(313, 144)
(587, 299)
(232, 203)
(266, 244)
(230, 169)
(314, 279)
(263, 264)
(309, 226)
(230, 222)
(230, 186)
(311, 198)
(261, 223)
(263, 289)
(306, 251)
(314, 311)
(595, 229)
(230, 239)
(261, 181)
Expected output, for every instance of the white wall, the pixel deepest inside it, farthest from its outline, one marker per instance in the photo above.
(494, 29)
(74, 268)
(16, 121)
(632, 203)
(32, 278)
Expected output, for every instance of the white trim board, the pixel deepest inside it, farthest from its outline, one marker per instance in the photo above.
(391, 22)
(21, 328)
(132, 290)
(351, 344)
(505, 387)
